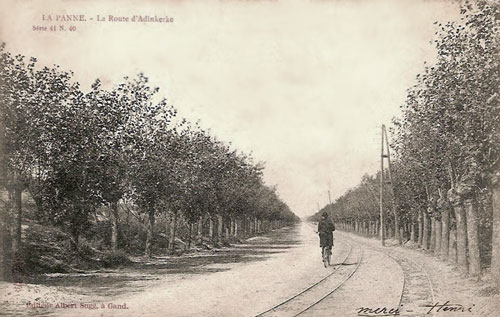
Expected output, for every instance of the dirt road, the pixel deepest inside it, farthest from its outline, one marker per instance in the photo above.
(273, 275)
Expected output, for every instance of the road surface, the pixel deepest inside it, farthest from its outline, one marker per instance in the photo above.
(281, 274)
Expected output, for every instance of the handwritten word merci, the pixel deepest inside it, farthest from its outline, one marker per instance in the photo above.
(76, 305)
(378, 311)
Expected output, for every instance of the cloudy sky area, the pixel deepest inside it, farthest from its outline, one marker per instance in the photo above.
(304, 85)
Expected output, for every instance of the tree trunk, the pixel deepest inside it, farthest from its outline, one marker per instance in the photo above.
(219, 228)
(452, 246)
(473, 237)
(16, 242)
(425, 233)
(173, 229)
(456, 200)
(190, 235)
(412, 232)
(5, 243)
(5, 236)
(420, 227)
(495, 243)
(437, 244)
(149, 234)
(167, 230)
(113, 215)
(397, 232)
(199, 236)
(461, 237)
(128, 216)
(236, 227)
(433, 233)
(211, 229)
(445, 232)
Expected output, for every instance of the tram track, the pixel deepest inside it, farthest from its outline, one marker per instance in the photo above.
(415, 298)
(415, 295)
(334, 289)
(315, 293)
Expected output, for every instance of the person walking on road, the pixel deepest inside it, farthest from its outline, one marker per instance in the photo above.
(325, 231)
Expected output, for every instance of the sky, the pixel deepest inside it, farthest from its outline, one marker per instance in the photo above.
(302, 85)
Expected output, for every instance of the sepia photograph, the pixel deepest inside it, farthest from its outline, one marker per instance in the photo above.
(257, 158)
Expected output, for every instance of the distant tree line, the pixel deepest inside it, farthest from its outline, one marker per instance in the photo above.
(447, 151)
(75, 152)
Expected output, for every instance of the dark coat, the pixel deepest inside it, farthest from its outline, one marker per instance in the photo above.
(325, 230)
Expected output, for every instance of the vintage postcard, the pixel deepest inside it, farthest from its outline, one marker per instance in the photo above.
(249, 158)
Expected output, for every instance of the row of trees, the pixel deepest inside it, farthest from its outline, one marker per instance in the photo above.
(447, 152)
(74, 152)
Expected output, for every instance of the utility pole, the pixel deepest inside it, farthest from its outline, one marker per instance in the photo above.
(393, 200)
(385, 143)
(382, 216)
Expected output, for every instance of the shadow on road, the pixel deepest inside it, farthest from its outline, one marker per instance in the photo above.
(146, 272)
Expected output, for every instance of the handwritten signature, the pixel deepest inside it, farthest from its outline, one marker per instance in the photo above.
(447, 307)
(432, 308)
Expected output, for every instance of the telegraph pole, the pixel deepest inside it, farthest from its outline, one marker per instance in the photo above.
(382, 216)
(393, 202)
(385, 144)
